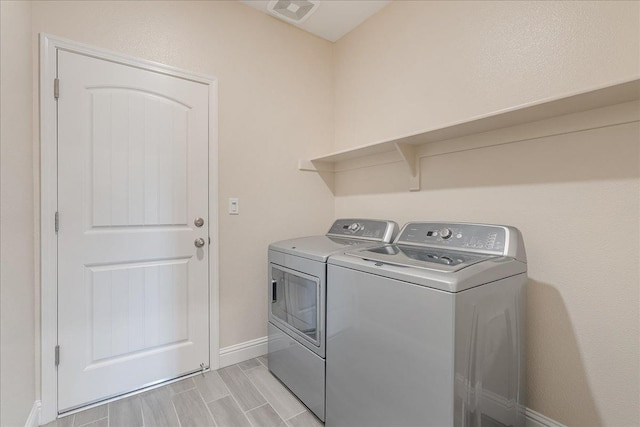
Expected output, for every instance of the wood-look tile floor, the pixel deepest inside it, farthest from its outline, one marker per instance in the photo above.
(242, 395)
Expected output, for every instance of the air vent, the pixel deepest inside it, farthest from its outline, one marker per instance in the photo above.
(294, 11)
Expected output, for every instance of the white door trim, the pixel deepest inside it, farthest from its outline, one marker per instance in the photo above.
(49, 195)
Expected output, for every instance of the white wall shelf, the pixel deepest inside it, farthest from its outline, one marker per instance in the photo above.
(408, 146)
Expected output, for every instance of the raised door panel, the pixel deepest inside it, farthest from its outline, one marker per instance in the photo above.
(134, 308)
(139, 159)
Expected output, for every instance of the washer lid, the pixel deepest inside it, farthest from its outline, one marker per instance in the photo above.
(432, 275)
(442, 255)
(420, 257)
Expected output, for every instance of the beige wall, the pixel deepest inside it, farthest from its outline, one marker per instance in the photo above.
(422, 64)
(17, 326)
(417, 65)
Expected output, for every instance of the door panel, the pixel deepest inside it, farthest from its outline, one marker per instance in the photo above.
(137, 307)
(132, 129)
(133, 175)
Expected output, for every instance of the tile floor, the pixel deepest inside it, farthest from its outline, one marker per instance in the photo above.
(242, 395)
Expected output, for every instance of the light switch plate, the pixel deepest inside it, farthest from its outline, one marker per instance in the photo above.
(234, 207)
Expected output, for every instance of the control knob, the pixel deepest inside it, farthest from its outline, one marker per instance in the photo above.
(445, 233)
(354, 227)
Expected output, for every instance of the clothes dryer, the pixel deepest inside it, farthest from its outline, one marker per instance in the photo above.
(297, 296)
(428, 331)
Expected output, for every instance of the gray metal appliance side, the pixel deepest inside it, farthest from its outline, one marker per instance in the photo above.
(302, 371)
(515, 245)
(379, 350)
(490, 354)
(466, 278)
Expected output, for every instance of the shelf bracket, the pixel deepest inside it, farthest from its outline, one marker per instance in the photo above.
(411, 160)
(315, 166)
(324, 169)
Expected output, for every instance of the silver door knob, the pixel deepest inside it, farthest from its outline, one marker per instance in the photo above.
(199, 242)
(198, 222)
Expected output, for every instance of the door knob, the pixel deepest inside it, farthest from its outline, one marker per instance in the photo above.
(198, 222)
(199, 242)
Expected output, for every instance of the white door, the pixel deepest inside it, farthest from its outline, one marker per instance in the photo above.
(133, 293)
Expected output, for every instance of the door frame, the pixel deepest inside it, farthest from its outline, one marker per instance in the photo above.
(49, 45)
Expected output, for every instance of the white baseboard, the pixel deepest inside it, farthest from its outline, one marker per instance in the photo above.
(34, 416)
(536, 419)
(244, 351)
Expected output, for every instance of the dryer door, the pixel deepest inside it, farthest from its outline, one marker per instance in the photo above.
(295, 302)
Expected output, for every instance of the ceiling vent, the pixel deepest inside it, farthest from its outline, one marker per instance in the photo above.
(294, 11)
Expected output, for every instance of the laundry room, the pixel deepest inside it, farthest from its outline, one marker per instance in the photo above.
(360, 120)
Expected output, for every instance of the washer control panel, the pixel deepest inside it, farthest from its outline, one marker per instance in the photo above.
(383, 231)
(460, 236)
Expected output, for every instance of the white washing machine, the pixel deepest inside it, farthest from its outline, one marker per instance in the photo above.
(428, 331)
(297, 296)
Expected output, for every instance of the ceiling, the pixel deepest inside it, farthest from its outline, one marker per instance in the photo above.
(329, 19)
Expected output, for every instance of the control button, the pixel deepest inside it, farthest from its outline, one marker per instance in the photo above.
(445, 233)
(446, 259)
(354, 227)
(459, 236)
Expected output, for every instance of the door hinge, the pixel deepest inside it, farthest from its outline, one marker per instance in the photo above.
(57, 221)
(57, 355)
(56, 88)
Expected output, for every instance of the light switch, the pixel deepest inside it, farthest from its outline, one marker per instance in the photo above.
(234, 208)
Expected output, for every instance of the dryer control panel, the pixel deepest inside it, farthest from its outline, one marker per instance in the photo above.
(369, 229)
(490, 239)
